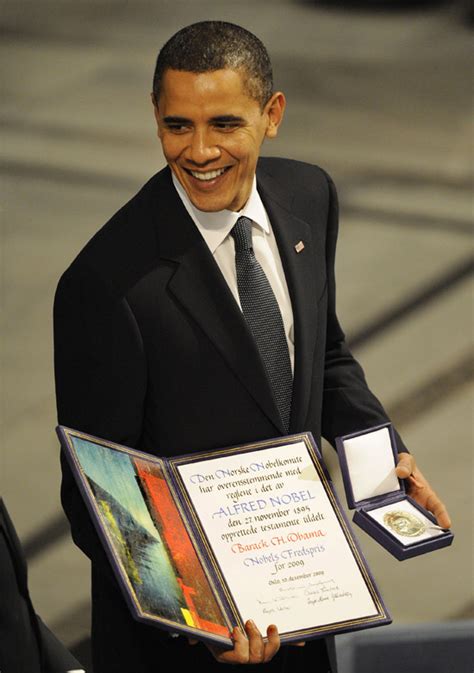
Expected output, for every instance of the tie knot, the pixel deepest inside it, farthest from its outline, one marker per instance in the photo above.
(242, 233)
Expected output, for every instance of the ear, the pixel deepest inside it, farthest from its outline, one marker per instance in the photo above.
(156, 112)
(275, 109)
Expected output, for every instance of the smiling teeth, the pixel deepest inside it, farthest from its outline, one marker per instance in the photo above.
(210, 175)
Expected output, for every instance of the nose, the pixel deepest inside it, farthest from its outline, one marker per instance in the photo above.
(202, 150)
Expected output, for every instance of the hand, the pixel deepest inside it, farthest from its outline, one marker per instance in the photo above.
(420, 490)
(248, 649)
(299, 643)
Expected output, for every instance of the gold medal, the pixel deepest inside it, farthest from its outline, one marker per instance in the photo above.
(404, 523)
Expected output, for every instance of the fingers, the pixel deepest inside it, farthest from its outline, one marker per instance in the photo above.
(260, 652)
(249, 648)
(241, 652)
(299, 643)
(406, 465)
(273, 644)
(256, 644)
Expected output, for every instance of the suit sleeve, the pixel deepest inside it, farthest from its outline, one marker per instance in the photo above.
(100, 377)
(56, 658)
(348, 403)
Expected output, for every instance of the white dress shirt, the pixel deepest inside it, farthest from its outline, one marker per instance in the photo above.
(215, 228)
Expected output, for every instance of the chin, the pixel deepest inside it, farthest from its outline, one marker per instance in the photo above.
(210, 205)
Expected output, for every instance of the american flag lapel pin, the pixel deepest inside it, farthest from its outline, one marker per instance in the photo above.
(299, 246)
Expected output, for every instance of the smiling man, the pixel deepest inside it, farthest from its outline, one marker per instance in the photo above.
(203, 315)
(211, 131)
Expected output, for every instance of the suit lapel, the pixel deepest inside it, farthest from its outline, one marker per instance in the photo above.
(299, 268)
(198, 284)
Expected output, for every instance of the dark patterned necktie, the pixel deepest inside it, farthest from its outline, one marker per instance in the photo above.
(263, 316)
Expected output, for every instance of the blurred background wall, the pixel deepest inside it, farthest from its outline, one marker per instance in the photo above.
(379, 96)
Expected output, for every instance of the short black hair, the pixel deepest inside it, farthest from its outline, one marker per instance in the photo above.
(213, 45)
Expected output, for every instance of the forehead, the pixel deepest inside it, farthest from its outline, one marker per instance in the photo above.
(208, 91)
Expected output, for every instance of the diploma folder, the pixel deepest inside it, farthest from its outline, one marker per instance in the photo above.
(203, 541)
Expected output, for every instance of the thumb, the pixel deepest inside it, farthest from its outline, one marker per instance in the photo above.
(405, 466)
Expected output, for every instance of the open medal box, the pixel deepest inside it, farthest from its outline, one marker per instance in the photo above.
(382, 506)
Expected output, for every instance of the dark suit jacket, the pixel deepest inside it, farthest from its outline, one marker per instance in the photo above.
(26, 643)
(152, 351)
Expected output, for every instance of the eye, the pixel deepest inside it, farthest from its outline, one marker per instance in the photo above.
(227, 126)
(177, 128)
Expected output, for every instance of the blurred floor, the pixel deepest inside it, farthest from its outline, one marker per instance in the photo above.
(380, 100)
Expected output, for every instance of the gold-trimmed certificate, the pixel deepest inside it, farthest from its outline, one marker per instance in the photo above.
(204, 541)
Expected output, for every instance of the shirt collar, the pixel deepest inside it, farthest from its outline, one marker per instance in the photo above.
(214, 227)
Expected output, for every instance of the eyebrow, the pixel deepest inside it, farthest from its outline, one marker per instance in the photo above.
(219, 118)
(176, 120)
(227, 118)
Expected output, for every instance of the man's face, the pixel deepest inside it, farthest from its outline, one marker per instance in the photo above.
(211, 132)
